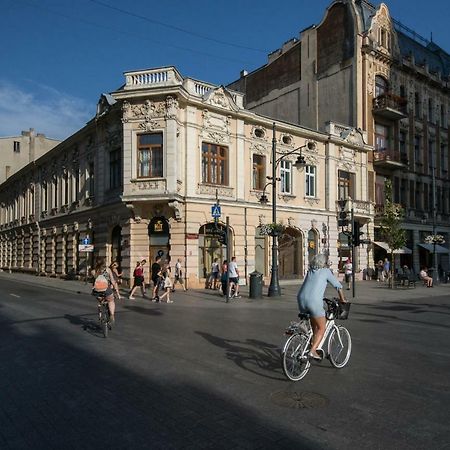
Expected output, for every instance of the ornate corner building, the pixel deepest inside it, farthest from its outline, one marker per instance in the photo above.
(140, 178)
(362, 68)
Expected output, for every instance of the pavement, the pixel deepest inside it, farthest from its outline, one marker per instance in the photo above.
(200, 373)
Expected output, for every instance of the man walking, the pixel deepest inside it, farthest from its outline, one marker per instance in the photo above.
(156, 278)
(234, 276)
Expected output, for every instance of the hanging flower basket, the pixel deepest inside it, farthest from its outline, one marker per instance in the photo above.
(435, 239)
(272, 229)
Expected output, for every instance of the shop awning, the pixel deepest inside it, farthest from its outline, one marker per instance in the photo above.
(399, 251)
(438, 248)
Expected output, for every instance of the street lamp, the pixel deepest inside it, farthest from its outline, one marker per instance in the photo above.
(274, 287)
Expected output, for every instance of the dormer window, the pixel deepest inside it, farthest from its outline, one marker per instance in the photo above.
(384, 38)
(287, 140)
(381, 86)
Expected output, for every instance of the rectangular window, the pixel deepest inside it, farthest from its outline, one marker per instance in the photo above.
(310, 173)
(443, 124)
(426, 202)
(417, 105)
(66, 189)
(55, 193)
(381, 137)
(44, 196)
(346, 185)
(371, 185)
(412, 195)
(444, 159)
(115, 168)
(259, 172)
(402, 145)
(91, 184)
(150, 155)
(77, 183)
(418, 195)
(403, 192)
(16, 147)
(417, 152)
(431, 162)
(214, 164)
(286, 176)
(430, 110)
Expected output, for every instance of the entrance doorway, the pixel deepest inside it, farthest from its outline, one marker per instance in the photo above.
(209, 248)
(290, 254)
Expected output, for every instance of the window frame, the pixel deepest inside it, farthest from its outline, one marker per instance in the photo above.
(115, 168)
(310, 177)
(152, 148)
(214, 166)
(258, 172)
(286, 177)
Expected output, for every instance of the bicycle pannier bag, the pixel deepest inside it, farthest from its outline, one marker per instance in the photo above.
(101, 283)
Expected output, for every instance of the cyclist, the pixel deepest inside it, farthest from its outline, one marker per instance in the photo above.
(310, 298)
(108, 294)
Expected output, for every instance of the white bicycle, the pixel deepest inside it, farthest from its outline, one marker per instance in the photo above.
(295, 359)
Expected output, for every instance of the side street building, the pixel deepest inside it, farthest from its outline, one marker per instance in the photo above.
(360, 67)
(140, 179)
(18, 151)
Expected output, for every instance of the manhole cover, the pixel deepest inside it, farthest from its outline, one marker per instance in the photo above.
(299, 400)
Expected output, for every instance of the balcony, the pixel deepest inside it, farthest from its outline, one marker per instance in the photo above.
(389, 159)
(390, 106)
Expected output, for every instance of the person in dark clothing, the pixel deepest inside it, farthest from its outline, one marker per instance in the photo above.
(156, 277)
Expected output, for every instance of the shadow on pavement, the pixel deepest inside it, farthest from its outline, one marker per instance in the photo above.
(50, 379)
(142, 310)
(255, 356)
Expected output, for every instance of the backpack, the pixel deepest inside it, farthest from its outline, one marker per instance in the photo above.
(101, 283)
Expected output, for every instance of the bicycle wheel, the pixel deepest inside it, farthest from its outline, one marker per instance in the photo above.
(104, 320)
(339, 347)
(295, 357)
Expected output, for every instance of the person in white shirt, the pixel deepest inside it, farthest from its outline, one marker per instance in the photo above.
(234, 276)
(178, 276)
(348, 271)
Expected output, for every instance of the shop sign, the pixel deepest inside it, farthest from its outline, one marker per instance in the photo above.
(158, 226)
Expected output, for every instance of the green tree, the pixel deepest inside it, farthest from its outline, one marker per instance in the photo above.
(392, 225)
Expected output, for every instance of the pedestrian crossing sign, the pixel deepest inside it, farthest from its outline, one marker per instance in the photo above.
(215, 211)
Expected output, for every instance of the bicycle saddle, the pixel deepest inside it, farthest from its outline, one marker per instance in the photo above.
(303, 316)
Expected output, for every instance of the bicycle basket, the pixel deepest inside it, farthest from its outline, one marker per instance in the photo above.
(332, 310)
(344, 310)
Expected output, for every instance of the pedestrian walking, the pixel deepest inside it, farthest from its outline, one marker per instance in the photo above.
(116, 278)
(234, 277)
(138, 280)
(380, 270)
(215, 275)
(156, 278)
(223, 278)
(178, 275)
(386, 269)
(166, 286)
(348, 272)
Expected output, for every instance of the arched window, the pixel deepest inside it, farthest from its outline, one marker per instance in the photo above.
(381, 86)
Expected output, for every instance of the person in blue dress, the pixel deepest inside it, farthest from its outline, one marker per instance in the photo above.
(310, 298)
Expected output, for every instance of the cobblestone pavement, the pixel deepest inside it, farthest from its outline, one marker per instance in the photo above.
(200, 373)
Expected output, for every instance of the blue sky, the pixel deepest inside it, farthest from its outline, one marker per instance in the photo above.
(58, 56)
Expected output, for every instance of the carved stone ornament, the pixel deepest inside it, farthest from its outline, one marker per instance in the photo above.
(218, 138)
(54, 230)
(260, 149)
(143, 111)
(176, 206)
(75, 226)
(262, 219)
(311, 160)
(64, 228)
(370, 82)
(150, 185)
(220, 97)
(291, 222)
(171, 107)
(312, 201)
(353, 137)
(348, 166)
(149, 125)
(211, 190)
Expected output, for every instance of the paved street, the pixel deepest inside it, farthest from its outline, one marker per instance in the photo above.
(200, 373)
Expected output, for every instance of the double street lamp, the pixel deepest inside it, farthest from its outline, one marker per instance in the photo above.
(274, 287)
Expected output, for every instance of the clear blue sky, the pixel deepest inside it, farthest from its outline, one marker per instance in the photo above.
(58, 56)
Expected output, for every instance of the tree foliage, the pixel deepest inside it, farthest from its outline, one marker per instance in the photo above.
(392, 223)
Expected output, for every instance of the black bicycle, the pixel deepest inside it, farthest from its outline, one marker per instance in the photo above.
(103, 315)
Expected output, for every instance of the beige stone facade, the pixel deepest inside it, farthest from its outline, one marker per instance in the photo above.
(141, 177)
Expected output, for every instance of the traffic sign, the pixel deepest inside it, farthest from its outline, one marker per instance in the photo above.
(87, 248)
(86, 241)
(215, 211)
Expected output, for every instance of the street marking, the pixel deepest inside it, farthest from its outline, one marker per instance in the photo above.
(14, 295)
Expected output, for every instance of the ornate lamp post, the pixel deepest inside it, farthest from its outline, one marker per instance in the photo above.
(275, 231)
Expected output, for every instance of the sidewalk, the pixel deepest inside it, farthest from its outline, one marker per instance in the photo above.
(366, 291)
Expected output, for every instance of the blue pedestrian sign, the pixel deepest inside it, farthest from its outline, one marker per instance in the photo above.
(86, 241)
(215, 211)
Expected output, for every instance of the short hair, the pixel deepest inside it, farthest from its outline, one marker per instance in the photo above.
(318, 262)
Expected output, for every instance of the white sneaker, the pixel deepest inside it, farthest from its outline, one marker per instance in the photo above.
(130, 297)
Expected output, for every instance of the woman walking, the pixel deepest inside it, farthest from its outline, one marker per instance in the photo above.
(138, 280)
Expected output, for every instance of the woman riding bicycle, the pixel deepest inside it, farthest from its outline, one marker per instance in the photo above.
(108, 294)
(310, 298)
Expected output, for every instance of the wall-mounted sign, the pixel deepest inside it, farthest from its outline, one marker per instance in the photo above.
(158, 226)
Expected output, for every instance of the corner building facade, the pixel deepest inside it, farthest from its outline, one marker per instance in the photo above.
(140, 179)
(361, 67)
